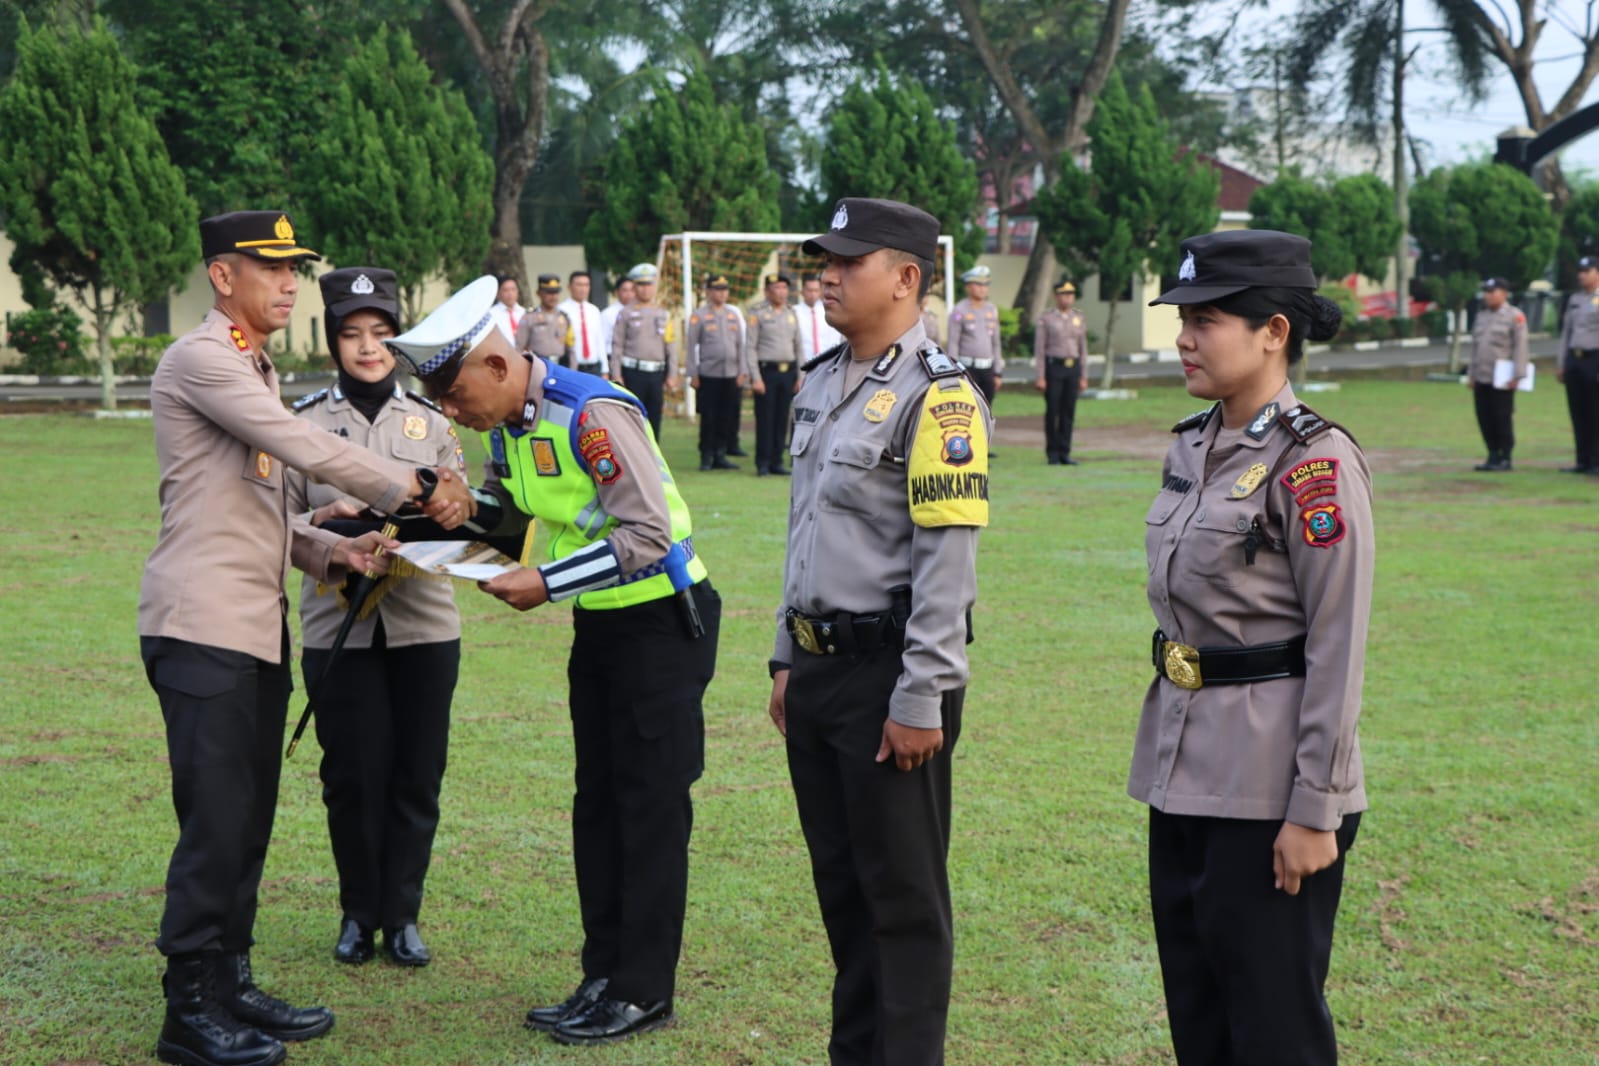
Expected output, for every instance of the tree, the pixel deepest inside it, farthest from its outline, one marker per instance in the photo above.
(1475, 220)
(1579, 231)
(687, 162)
(1134, 205)
(884, 140)
(1350, 223)
(398, 178)
(91, 201)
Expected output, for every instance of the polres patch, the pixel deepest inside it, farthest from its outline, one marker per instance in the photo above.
(1323, 526)
(595, 447)
(1309, 471)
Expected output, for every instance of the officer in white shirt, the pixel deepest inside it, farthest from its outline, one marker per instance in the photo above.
(589, 335)
(624, 295)
(816, 336)
(507, 311)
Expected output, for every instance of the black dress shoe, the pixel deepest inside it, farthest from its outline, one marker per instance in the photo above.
(405, 946)
(588, 993)
(269, 1015)
(611, 1020)
(738, 453)
(1068, 461)
(355, 943)
(721, 463)
(779, 469)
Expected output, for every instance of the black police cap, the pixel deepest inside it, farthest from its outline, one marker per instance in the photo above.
(1588, 262)
(549, 283)
(265, 235)
(778, 279)
(1215, 265)
(359, 288)
(861, 226)
(1495, 283)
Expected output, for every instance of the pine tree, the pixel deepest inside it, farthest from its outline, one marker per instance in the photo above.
(91, 201)
(398, 177)
(885, 140)
(1134, 205)
(686, 162)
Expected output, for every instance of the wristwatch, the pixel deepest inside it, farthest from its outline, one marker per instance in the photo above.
(429, 481)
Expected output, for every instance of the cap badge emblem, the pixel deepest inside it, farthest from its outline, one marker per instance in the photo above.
(283, 229)
(362, 286)
(841, 217)
(1186, 272)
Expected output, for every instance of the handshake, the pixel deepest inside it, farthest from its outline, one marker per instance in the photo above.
(443, 495)
(440, 494)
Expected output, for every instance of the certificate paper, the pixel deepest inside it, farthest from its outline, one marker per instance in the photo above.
(468, 560)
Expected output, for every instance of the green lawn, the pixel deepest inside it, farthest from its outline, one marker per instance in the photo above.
(1470, 925)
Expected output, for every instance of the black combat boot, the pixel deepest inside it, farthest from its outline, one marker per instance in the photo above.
(237, 992)
(198, 1031)
(719, 462)
(706, 460)
(1492, 463)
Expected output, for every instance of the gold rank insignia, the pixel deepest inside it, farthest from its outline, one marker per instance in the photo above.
(283, 228)
(263, 465)
(878, 407)
(1249, 481)
(416, 427)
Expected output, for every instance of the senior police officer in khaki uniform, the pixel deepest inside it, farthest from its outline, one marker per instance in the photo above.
(1060, 368)
(645, 345)
(869, 664)
(974, 334)
(1499, 333)
(577, 453)
(773, 337)
(1261, 554)
(1578, 367)
(547, 332)
(718, 368)
(213, 632)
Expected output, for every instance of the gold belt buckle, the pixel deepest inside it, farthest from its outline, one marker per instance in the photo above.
(805, 634)
(782, 368)
(1182, 665)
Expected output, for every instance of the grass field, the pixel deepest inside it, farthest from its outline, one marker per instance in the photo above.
(1470, 926)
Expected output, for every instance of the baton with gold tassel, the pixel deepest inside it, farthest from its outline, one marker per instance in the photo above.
(358, 596)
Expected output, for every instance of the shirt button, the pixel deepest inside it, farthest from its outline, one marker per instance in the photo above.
(1243, 526)
(833, 417)
(1200, 516)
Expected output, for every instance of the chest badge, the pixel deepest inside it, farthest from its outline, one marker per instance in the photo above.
(416, 427)
(1249, 481)
(878, 407)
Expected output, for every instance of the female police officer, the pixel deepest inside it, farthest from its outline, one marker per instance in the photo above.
(387, 717)
(1260, 568)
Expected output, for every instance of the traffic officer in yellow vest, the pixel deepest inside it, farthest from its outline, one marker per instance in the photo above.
(547, 332)
(974, 334)
(1498, 335)
(718, 368)
(1578, 366)
(774, 342)
(869, 664)
(576, 452)
(1060, 366)
(645, 345)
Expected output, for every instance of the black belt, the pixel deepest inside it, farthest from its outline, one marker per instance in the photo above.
(781, 368)
(1582, 353)
(844, 634)
(1189, 667)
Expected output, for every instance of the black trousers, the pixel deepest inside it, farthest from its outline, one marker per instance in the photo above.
(649, 387)
(1582, 400)
(771, 414)
(590, 368)
(224, 713)
(1496, 409)
(718, 403)
(383, 720)
(1243, 962)
(637, 681)
(878, 840)
(984, 379)
(1061, 384)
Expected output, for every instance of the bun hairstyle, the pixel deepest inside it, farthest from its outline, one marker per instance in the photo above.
(1309, 314)
(1325, 318)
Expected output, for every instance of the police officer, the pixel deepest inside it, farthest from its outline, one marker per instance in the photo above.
(547, 332)
(1260, 573)
(623, 295)
(1498, 334)
(383, 749)
(645, 345)
(974, 334)
(774, 342)
(930, 323)
(567, 447)
(869, 664)
(212, 628)
(1578, 367)
(816, 336)
(1060, 367)
(588, 331)
(718, 368)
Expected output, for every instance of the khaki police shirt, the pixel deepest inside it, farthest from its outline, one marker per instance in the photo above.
(636, 498)
(1283, 749)
(850, 534)
(414, 610)
(716, 347)
(224, 439)
(1580, 326)
(1061, 335)
(774, 336)
(547, 334)
(1495, 335)
(644, 333)
(974, 336)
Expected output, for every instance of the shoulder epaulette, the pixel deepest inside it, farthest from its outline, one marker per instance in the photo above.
(831, 353)
(424, 401)
(938, 362)
(311, 399)
(1195, 420)
(1303, 423)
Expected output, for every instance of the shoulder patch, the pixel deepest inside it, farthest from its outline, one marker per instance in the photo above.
(311, 400)
(1303, 423)
(424, 401)
(938, 362)
(947, 470)
(1195, 420)
(831, 353)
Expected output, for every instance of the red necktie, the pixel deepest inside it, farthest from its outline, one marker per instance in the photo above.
(584, 319)
(511, 311)
(816, 335)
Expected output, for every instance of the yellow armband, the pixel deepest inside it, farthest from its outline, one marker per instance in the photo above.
(948, 467)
